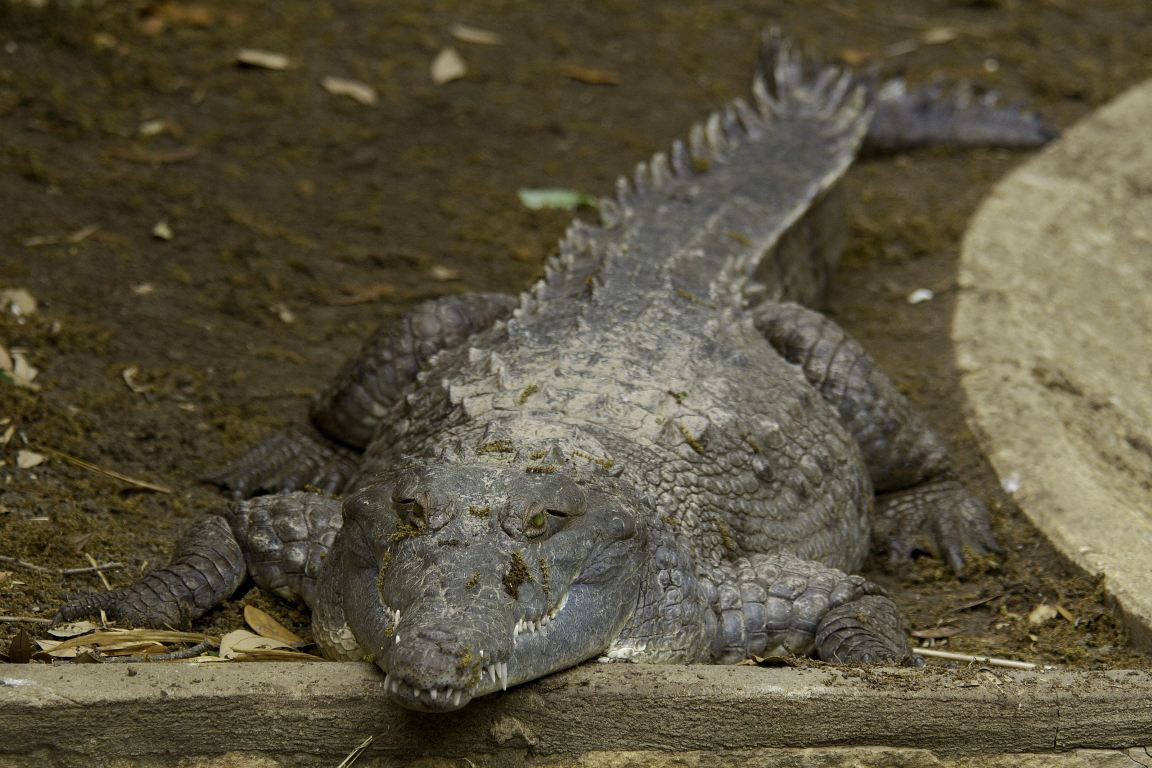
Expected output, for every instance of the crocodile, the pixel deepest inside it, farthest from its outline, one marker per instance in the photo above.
(658, 453)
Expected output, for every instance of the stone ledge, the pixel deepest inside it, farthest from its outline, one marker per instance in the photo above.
(79, 714)
(1053, 334)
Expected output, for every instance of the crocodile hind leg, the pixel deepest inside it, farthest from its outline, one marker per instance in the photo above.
(920, 507)
(323, 456)
(765, 605)
(280, 540)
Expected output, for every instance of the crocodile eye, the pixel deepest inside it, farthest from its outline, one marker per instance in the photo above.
(535, 521)
(407, 508)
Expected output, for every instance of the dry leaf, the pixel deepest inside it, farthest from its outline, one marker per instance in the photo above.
(21, 648)
(590, 76)
(18, 301)
(162, 231)
(353, 89)
(282, 311)
(857, 57)
(771, 661)
(448, 66)
(266, 626)
(129, 375)
(112, 637)
(15, 368)
(134, 649)
(275, 654)
(72, 629)
(50, 647)
(936, 633)
(466, 34)
(1041, 614)
(254, 57)
(7, 434)
(445, 273)
(26, 459)
(1067, 615)
(241, 640)
(938, 35)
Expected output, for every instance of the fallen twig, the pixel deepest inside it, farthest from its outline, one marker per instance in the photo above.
(354, 755)
(31, 619)
(94, 568)
(108, 472)
(100, 573)
(989, 660)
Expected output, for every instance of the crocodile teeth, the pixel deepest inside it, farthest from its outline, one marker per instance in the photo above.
(528, 625)
(435, 694)
(456, 696)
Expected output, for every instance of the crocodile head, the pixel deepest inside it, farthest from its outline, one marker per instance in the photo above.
(464, 579)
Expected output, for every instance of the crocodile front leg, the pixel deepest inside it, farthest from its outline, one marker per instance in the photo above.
(921, 506)
(763, 605)
(323, 456)
(770, 605)
(280, 540)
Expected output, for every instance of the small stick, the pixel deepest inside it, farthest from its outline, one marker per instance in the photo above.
(354, 755)
(30, 619)
(95, 567)
(108, 472)
(991, 661)
(100, 573)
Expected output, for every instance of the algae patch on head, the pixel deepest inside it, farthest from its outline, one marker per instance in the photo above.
(526, 393)
(517, 575)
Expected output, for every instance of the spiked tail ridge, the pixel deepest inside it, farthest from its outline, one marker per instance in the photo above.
(957, 116)
(701, 216)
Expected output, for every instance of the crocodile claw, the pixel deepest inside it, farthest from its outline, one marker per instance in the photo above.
(939, 518)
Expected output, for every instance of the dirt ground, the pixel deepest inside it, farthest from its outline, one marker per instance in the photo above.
(208, 241)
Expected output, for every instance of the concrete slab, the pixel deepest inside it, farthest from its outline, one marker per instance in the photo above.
(1053, 333)
(314, 714)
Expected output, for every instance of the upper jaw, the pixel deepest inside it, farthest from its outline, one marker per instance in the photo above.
(484, 674)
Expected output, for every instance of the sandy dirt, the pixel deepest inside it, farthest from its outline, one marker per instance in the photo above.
(298, 219)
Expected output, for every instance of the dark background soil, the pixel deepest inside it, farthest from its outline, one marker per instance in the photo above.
(286, 202)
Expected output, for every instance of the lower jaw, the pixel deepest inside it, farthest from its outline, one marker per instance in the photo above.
(446, 699)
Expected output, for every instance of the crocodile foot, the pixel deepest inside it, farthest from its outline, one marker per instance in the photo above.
(939, 518)
(292, 460)
(868, 630)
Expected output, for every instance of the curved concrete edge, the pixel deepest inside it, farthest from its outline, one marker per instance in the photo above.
(77, 714)
(1053, 335)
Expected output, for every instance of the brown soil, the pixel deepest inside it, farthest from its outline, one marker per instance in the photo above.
(286, 201)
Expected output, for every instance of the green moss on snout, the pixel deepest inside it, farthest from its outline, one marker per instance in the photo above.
(517, 575)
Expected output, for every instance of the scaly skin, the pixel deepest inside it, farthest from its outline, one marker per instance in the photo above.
(627, 460)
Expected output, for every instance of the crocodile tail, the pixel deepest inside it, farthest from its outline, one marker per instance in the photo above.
(961, 116)
(702, 217)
